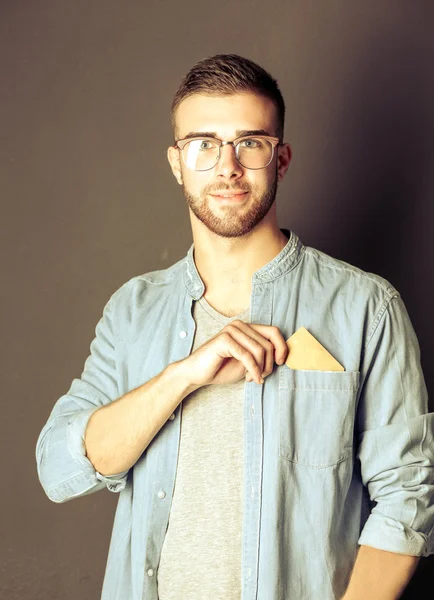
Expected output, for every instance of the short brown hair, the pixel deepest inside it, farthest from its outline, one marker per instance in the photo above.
(227, 74)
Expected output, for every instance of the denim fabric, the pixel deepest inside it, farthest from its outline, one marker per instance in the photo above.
(332, 459)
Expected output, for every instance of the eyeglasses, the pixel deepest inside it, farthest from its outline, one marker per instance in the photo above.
(252, 152)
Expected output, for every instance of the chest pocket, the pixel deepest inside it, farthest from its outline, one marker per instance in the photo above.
(317, 411)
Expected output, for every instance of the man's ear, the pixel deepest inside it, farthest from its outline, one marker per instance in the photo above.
(283, 160)
(173, 158)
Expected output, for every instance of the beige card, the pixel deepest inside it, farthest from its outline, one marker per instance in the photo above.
(306, 353)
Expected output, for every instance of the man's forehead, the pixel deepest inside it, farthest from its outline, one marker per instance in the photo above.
(226, 114)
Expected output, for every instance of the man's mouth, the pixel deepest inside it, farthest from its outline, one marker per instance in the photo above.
(237, 195)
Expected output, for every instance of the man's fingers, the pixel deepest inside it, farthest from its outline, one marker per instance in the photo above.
(274, 335)
(260, 348)
(244, 356)
(270, 333)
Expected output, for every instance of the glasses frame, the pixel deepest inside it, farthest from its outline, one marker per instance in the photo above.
(274, 141)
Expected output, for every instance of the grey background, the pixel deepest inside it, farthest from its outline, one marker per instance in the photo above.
(88, 199)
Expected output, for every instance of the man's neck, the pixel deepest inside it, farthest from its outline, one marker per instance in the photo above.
(228, 264)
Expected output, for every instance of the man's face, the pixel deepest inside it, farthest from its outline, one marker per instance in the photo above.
(228, 117)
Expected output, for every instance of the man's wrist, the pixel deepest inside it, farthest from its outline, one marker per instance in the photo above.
(178, 377)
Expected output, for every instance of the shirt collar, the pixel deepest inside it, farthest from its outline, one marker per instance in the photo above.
(286, 260)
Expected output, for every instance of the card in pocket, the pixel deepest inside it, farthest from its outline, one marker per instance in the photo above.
(306, 353)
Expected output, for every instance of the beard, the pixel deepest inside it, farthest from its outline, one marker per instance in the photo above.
(237, 220)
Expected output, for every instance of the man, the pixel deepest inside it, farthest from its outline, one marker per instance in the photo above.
(239, 476)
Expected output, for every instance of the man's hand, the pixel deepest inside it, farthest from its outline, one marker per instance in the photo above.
(238, 350)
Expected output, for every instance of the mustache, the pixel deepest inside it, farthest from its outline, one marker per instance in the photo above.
(225, 188)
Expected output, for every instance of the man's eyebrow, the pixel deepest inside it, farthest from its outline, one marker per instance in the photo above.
(243, 132)
(213, 134)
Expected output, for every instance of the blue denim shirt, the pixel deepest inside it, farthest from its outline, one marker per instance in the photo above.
(331, 459)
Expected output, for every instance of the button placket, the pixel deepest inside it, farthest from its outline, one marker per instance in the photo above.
(261, 307)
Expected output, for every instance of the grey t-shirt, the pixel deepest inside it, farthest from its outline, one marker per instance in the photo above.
(201, 554)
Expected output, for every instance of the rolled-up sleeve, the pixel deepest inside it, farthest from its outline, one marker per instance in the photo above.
(64, 470)
(396, 438)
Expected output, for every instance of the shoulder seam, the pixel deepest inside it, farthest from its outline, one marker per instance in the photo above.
(173, 270)
(379, 316)
(355, 271)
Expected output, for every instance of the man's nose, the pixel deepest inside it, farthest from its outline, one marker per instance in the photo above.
(228, 164)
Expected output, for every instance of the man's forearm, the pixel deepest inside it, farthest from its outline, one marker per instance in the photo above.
(118, 433)
(380, 575)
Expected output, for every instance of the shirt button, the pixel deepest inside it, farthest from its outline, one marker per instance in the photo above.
(172, 416)
(161, 494)
(150, 572)
(182, 334)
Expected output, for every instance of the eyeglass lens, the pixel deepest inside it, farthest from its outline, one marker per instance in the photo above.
(203, 154)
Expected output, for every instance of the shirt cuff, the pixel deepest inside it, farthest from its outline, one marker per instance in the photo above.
(77, 424)
(387, 534)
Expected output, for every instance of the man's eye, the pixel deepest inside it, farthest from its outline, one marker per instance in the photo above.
(206, 145)
(251, 143)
